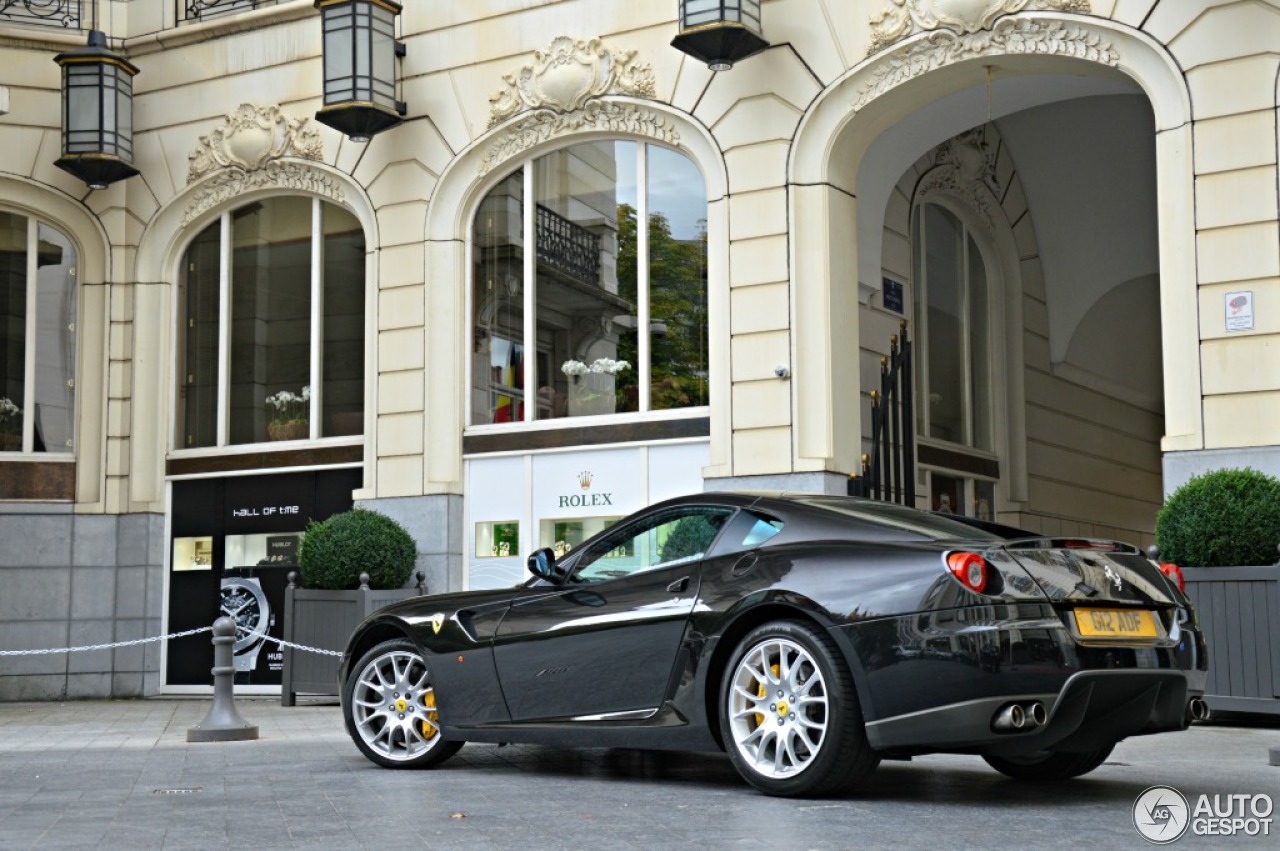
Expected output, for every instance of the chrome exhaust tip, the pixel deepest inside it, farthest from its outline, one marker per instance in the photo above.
(1011, 717)
(1198, 709)
(1036, 714)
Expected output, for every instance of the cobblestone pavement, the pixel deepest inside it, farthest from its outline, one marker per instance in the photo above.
(121, 775)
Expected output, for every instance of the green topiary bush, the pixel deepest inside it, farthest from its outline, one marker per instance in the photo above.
(1222, 518)
(336, 551)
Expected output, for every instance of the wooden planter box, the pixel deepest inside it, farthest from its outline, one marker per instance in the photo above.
(325, 619)
(1239, 611)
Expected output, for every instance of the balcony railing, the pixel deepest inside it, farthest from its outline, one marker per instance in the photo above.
(568, 247)
(45, 13)
(203, 10)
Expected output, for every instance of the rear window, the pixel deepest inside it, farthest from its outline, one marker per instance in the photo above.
(934, 527)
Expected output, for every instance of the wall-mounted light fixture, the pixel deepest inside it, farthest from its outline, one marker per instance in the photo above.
(360, 52)
(720, 32)
(97, 113)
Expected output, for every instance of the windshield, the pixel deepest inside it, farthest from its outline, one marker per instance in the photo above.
(935, 527)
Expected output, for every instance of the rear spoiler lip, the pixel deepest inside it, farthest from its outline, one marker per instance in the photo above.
(1039, 542)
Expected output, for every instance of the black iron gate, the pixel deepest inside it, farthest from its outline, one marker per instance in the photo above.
(889, 470)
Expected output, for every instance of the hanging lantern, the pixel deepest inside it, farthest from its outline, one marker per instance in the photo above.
(360, 51)
(97, 113)
(720, 32)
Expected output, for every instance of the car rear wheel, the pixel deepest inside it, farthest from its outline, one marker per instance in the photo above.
(790, 716)
(1050, 766)
(391, 708)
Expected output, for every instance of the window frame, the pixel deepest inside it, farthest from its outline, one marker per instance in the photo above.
(529, 271)
(315, 405)
(31, 342)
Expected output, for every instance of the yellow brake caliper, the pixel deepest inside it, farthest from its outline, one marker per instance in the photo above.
(430, 724)
(764, 690)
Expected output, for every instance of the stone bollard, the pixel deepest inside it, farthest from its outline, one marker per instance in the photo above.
(223, 723)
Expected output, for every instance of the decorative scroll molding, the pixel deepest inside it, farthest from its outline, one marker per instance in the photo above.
(1009, 36)
(252, 138)
(276, 174)
(608, 116)
(903, 18)
(965, 166)
(568, 73)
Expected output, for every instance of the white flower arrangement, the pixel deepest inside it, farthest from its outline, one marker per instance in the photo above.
(599, 366)
(290, 407)
(9, 411)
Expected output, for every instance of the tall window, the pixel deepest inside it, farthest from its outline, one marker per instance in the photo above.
(272, 326)
(954, 401)
(612, 298)
(37, 337)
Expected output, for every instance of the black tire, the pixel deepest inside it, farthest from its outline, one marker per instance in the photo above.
(389, 708)
(1050, 766)
(816, 716)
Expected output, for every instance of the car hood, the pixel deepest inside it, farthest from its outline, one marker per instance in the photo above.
(1067, 574)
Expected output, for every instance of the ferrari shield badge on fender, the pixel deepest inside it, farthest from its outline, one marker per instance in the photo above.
(437, 621)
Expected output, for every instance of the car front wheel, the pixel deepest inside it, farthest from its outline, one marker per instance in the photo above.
(1050, 766)
(790, 716)
(391, 708)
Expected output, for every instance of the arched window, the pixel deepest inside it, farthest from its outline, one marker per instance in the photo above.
(953, 381)
(612, 300)
(271, 326)
(37, 337)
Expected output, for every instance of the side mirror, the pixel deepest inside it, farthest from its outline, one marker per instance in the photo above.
(542, 564)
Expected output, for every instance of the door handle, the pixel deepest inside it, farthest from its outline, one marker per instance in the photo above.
(679, 585)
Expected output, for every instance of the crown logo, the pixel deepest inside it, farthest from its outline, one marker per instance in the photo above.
(584, 479)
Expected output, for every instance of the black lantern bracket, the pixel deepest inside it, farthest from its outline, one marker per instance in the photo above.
(361, 55)
(97, 113)
(720, 33)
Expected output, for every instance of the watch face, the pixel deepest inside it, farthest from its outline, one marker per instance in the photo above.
(244, 602)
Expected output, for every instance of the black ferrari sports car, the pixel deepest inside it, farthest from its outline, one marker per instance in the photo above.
(809, 636)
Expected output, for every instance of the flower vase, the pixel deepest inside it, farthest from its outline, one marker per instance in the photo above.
(10, 441)
(292, 430)
(592, 394)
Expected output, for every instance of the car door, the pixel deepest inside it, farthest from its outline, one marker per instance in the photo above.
(605, 642)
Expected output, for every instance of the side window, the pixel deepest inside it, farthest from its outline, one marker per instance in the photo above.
(669, 538)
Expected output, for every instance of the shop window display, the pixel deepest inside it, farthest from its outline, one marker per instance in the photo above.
(38, 337)
(613, 300)
(271, 301)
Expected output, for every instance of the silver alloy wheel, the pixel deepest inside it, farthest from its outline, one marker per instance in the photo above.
(393, 706)
(777, 708)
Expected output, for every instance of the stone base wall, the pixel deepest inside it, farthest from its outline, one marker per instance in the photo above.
(1181, 467)
(70, 580)
(435, 522)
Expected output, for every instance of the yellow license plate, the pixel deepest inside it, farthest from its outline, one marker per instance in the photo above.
(1116, 623)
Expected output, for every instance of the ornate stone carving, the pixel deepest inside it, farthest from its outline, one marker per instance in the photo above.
(608, 116)
(1008, 36)
(902, 18)
(275, 174)
(251, 138)
(568, 73)
(966, 166)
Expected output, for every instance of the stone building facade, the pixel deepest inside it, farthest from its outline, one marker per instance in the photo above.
(586, 273)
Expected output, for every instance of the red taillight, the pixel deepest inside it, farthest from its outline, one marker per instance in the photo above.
(970, 569)
(1172, 571)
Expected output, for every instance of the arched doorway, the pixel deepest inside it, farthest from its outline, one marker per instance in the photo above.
(1055, 157)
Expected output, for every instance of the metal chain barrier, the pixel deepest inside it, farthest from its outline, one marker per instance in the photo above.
(105, 646)
(301, 647)
(239, 629)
